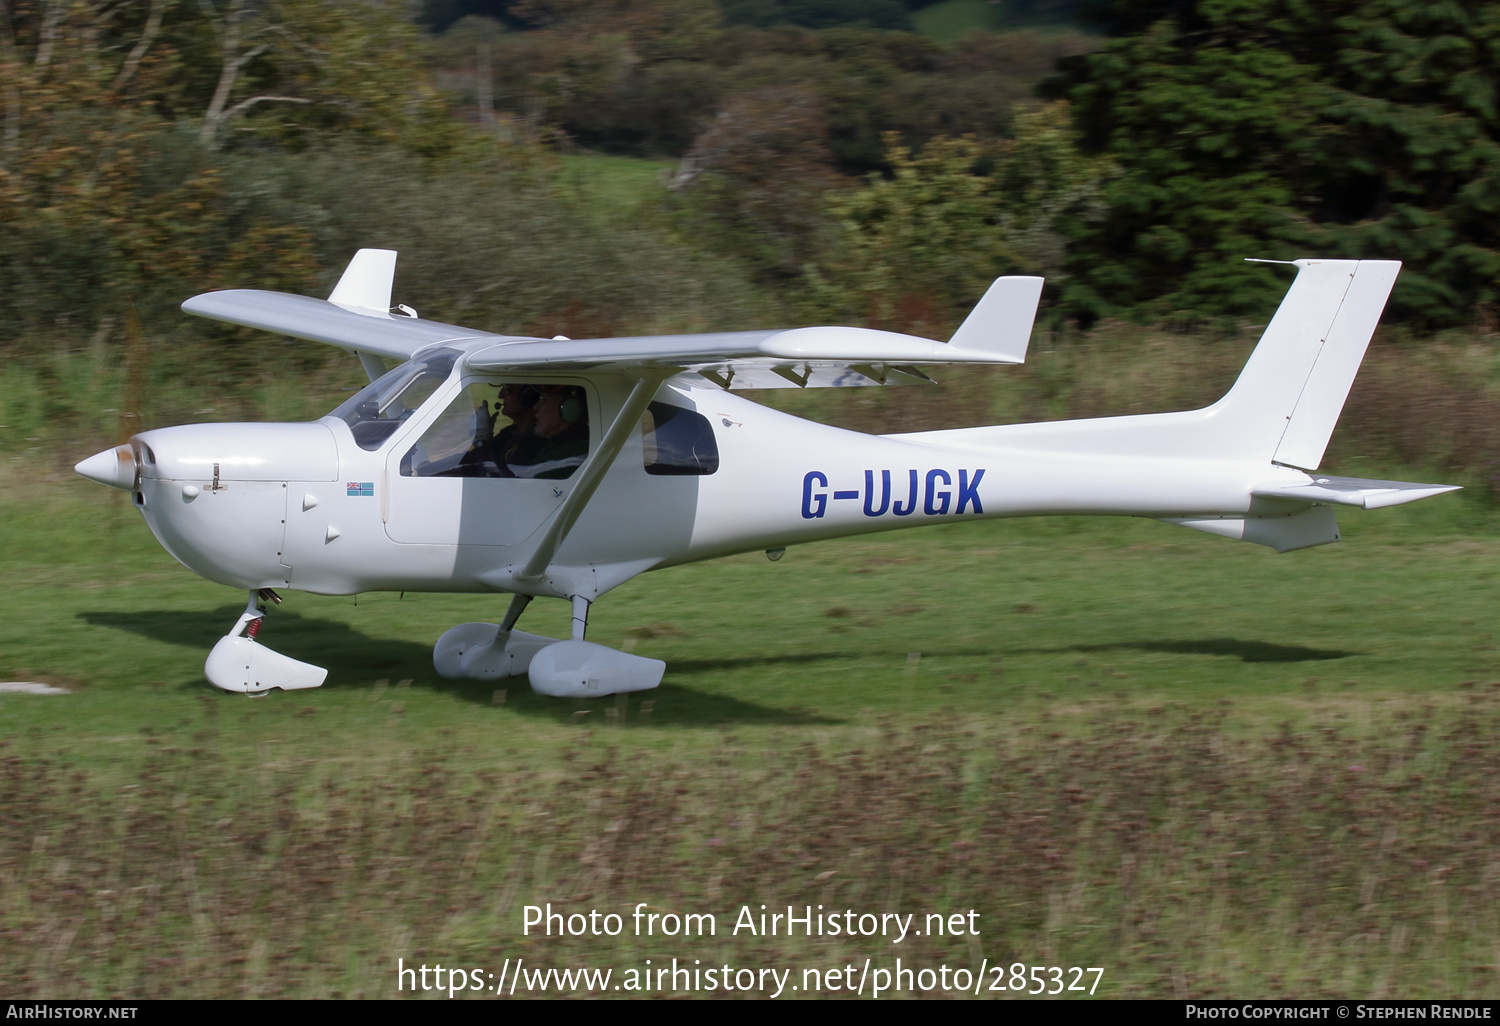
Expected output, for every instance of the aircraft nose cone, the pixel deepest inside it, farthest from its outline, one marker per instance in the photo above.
(114, 467)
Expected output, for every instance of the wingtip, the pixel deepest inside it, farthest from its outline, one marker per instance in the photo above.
(366, 282)
(1001, 322)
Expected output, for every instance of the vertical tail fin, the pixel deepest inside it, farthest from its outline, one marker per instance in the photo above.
(1282, 408)
(1293, 388)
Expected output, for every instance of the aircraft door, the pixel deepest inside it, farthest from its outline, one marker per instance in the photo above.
(491, 468)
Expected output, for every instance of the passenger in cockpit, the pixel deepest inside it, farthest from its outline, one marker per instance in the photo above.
(561, 439)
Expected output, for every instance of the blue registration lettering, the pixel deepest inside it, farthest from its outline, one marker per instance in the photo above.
(937, 501)
(911, 501)
(814, 503)
(968, 491)
(885, 493)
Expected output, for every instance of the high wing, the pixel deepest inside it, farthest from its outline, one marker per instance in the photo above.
(357, 317)
(319, 320)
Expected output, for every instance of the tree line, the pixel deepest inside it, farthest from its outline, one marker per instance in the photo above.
(827, 160)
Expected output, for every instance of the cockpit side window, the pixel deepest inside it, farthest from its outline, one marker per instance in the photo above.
(375, 411)
(678, 442)
(505, 429)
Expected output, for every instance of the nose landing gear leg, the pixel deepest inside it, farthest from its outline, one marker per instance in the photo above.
(240, 663)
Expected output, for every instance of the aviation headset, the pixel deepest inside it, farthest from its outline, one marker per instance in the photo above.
(570, 406)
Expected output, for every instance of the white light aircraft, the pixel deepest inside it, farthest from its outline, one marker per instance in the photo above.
(563, 468)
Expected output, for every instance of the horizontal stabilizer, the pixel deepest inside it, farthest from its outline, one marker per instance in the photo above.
(1353, 491)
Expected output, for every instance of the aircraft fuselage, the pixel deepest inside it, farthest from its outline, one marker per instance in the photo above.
(302, 506)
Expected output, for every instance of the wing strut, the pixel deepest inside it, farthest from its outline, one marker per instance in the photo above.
(591, 473)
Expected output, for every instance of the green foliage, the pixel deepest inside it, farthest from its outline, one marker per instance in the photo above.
(625, 78)
(952, 19)
(110, 186)
(1283, 129)
(137, 173)
(753, 184)
(921, 246)
(438, 15)
(932, 234)
(754, 181)
(818, 14)
(494, 241)
(119, 209)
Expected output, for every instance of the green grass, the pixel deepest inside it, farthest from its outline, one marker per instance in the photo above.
(1207, 768)
(1006, 614)
(615, 188)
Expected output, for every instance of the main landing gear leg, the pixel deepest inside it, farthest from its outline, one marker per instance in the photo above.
(518, 604)
(580, 617)
(240, 663)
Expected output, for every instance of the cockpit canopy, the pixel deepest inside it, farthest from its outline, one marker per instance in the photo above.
(377, 410)
(512, 429)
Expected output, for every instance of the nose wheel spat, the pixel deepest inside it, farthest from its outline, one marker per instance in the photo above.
(240, 663)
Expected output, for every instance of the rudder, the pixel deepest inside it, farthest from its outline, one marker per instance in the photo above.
(1322, 400)
(1293, 388)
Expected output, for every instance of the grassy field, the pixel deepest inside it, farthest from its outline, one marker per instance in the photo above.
(1204, 768)
(1208, 769)
(614, 187)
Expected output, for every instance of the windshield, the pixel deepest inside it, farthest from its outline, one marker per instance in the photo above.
(375, 411)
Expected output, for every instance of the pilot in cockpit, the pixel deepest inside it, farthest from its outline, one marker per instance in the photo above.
(518, 404)
(491, 453)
